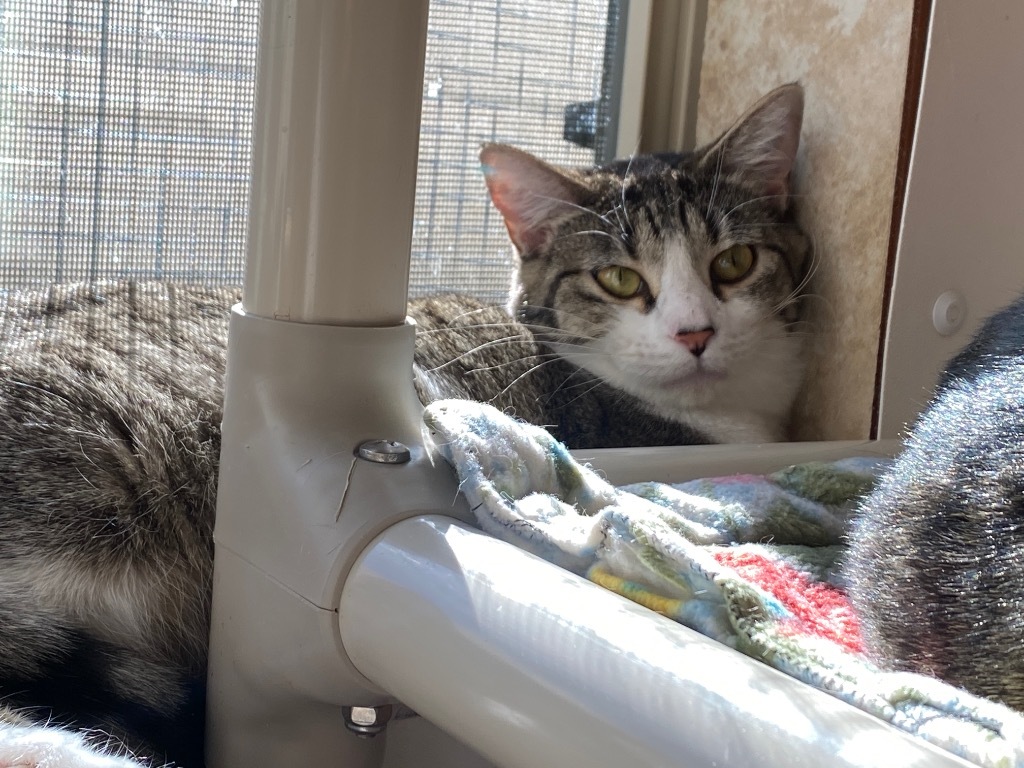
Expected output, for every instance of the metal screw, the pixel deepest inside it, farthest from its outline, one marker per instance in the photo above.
(384, 452)
(366, 722)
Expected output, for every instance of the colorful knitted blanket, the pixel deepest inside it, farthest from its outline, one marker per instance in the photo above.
(749, 560)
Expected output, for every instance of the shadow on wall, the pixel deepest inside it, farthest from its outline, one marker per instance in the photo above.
(852, 60)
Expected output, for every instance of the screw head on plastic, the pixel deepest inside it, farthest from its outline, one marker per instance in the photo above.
(384, 452)
(367, 721)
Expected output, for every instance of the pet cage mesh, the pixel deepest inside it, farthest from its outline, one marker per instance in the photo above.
(125, 132)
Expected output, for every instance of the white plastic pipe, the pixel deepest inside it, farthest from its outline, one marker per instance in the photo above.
(334, 160)
(318, 362)
(533, 666)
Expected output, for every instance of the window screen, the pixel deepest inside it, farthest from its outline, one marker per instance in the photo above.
(125, 132)
(125, 139)
(508, 71)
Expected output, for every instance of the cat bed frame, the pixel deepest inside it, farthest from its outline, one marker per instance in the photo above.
(345, 581)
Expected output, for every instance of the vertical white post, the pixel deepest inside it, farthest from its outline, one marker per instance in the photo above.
(334, 160)
(319, 361)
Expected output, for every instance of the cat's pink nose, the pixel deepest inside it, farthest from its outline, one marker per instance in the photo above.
(695, 341)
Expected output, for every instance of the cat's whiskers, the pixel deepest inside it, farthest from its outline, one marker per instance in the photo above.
(578, 207)
(465, 328)
(524, 374)
(588, 232)
(597, 383)
(563, 313)
(791, 300)
(797, 294)
(771, 321)
(479, 348)
(550, 336)
(798, 335)
(567, 348)
(796, 323)
(714, 184)
(772, 346)
(825, 301)
(544, 330)
(591, 377)
(521, 338)
(471, 312)
(497, 366)
(753, 200)
(624, 226)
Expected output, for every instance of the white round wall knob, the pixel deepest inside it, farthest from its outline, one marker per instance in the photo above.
(949, 312)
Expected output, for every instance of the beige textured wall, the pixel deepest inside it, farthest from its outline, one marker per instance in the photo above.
(851, 57)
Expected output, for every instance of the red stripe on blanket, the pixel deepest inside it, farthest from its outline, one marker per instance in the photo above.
(818, 609)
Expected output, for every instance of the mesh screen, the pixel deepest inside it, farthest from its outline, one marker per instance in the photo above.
(125, 132)
(503, 71)
(125, 136)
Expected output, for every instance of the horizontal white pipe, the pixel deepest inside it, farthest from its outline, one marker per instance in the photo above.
(533, 666)
(676, 464)
(334, 160)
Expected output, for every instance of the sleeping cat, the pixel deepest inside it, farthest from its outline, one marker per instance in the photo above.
(656, 301)
(936, 562)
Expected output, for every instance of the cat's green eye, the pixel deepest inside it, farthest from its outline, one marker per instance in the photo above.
(732, 264)
(621, 282)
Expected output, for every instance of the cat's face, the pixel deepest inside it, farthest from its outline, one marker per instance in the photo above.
(672, 277)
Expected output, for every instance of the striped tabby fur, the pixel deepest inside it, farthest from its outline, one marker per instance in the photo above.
(936, 563)
(110, 402)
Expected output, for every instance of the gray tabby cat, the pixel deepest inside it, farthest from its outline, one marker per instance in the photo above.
(936, 562)
(656, 301)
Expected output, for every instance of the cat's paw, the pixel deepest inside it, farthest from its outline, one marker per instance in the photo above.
(41, 747)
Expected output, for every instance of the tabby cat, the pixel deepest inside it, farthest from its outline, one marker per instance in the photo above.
(656, 301)
(936, 562)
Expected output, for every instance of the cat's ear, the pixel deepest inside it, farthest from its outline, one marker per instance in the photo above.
(532, 196)
(761, 147)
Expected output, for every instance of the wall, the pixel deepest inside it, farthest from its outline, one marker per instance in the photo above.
(851, 56)
(962, 224)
